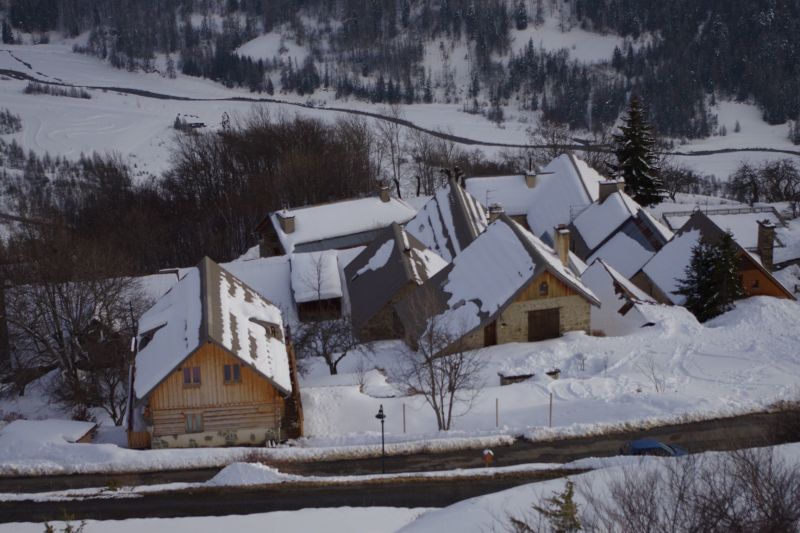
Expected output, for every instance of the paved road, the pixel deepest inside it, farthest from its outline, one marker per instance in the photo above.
(720, 434)
(227, 501)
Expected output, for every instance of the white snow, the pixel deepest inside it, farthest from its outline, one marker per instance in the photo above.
(272, 45)
(511, 192)
(600, 219)
(669, 264)
(336, 219)
(624, 254)
(379, 260)
(24, 432)
(315, 276)
(175, 320)
(562, 195)
(743, 226)
(333, 520)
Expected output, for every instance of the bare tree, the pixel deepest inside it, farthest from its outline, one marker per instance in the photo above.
(70, 310)
(393, 146)
(653, 373)
(550, 139)
(330, 340)
(443, 370)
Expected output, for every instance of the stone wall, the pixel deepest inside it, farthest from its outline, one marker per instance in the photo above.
(512, 324)
(233, 437)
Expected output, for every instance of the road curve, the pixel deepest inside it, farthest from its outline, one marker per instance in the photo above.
(16, 74)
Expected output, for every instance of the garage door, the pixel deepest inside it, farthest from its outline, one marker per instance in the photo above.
(544, 324)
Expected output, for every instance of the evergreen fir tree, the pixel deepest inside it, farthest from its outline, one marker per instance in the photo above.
(562, 511)
(521, 15)
(712, 284)
(637, 163)
(8, 35)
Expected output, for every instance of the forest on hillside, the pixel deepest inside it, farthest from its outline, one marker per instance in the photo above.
(679, 56)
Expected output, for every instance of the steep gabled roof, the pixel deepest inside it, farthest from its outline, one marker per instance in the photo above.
(449, 221)
(315, 276)
(210, 304)
(669, 264)
(391, 262)
(569, 189)
(742, 222)
(485, 279)
(317, 223)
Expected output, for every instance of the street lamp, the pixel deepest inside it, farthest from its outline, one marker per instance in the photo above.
(380, 416)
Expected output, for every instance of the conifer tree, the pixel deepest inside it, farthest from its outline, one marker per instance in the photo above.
(562, 511)
(637, 163)
(521, 15)
(712, 284)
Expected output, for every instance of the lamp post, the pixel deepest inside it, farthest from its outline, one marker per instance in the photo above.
(380, 416)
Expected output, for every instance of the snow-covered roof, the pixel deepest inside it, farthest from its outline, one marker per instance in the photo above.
(486, 277)
(512, 192)
(210, 303)
(601, 219)
(315, 276)
(624, 253)
(449, 221)
(390, 263)
(742, 223)
(623, 308)
(316, 223)
(562, 195)
(789, 237)
(49, 431)
(669, 264)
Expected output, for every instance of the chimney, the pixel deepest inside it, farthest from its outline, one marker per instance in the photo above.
(766, 242)
(609, 187)
(562, 243)
(530, 179)
(383, 193)
(286, 221)
(495, 210)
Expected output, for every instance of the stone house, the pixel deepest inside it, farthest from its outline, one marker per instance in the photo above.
(392, 266)
(212, 367)
(507, 286)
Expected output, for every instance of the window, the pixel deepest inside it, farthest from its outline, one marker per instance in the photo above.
(191, 376)
(755, 284)
(194, 422)
(543, 288)
(232, 373)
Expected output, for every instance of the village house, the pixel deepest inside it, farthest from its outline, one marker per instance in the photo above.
(316, 285)
(212, 367)
(330, 226)
(660, 276)
(617, 230)
(395, 264)
(624, 308)
(507, 286)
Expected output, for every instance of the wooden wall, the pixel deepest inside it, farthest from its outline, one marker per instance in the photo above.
(556, 288)
(752, 275)
(253, 402)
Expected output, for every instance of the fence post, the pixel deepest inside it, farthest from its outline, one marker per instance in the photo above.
(497, 412)
(551, 410)
(404, 417)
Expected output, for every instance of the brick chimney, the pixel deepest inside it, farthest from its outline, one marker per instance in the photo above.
(495, 210)
(286, 221)
(562, 243)
(530, 179)
(609, 187)
(383, 193)
(766, 242)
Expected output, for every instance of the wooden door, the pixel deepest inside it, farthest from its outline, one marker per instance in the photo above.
(544, 324)
(490, 334)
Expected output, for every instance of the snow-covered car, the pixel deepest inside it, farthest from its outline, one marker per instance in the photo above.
(651, 447)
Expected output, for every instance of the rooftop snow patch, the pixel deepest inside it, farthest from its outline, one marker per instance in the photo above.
(601, 219)
(449, 221)
(210, 303)
(669, 265)
(315, 276)
(511, 192)
(338, 219)
(624, 253)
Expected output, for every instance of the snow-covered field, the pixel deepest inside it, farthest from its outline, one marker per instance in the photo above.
(139, 127)
(337, 520)
(740, 362)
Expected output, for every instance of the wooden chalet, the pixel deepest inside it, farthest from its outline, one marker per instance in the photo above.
(213, 367)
